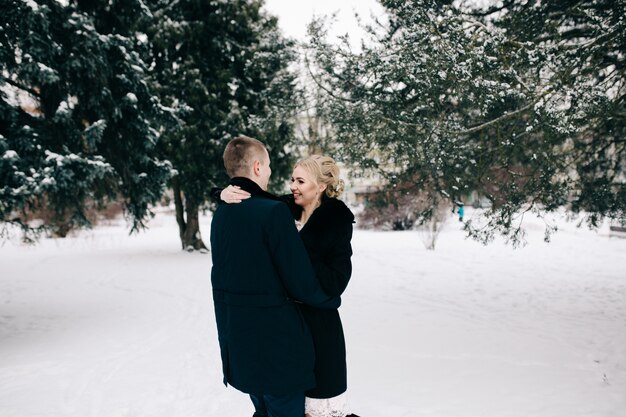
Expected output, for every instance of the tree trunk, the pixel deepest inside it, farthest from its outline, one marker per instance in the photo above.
(192, 239)
(187, 219)
(180, 210)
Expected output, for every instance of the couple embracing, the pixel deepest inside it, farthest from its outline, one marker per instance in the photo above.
(280, 265)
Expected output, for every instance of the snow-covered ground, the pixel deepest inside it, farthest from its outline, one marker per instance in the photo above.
(106, 324)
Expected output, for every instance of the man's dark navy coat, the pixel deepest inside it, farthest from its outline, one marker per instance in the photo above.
(259, 268)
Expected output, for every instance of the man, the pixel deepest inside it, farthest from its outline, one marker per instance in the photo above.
(260, 267)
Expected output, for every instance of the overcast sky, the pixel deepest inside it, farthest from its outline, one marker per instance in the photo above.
(295, 15)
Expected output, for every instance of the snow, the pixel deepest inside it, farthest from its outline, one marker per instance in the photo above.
(48, 181)
(54, 156)
(97, 125)
(46, 69)
(10, 155)
(131, 97)
(141, 37)
(106, 324)
(63, 108)
(32, 4)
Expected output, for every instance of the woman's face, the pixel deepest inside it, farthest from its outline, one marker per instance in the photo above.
(304, 188)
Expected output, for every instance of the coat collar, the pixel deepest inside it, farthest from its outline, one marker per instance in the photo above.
(252, 187)
(332, 212)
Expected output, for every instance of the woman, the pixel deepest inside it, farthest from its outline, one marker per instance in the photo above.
(325, 225)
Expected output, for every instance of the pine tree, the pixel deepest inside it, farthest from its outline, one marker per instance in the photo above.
(583, 71)
(78, 123)
(224, 66)
(450, 99)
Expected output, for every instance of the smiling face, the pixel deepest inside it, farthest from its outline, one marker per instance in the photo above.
(306, 191)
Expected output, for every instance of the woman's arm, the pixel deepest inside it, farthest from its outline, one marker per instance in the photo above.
(230, 195)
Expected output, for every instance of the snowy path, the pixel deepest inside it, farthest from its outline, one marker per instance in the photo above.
(109, 325)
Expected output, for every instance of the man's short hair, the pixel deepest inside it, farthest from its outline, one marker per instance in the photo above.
(240, 153)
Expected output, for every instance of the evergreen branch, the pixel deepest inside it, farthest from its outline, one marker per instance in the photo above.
(322, 87)
(496, 120)
(491, 10)
(573, 33)
(419, 127)
(605, 38)
(157, 14)
(29, 90)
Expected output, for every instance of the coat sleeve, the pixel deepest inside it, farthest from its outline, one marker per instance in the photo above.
(292, 261)
(335, 268)
(216, 193)
(296, 210)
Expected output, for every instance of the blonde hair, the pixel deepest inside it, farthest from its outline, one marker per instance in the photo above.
(324, 170)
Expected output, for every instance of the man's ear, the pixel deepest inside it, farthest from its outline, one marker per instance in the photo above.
(256, 167)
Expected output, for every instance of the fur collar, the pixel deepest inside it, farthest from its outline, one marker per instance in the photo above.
(331, 212)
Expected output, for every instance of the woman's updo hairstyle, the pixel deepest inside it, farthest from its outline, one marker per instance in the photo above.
(324, 170)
